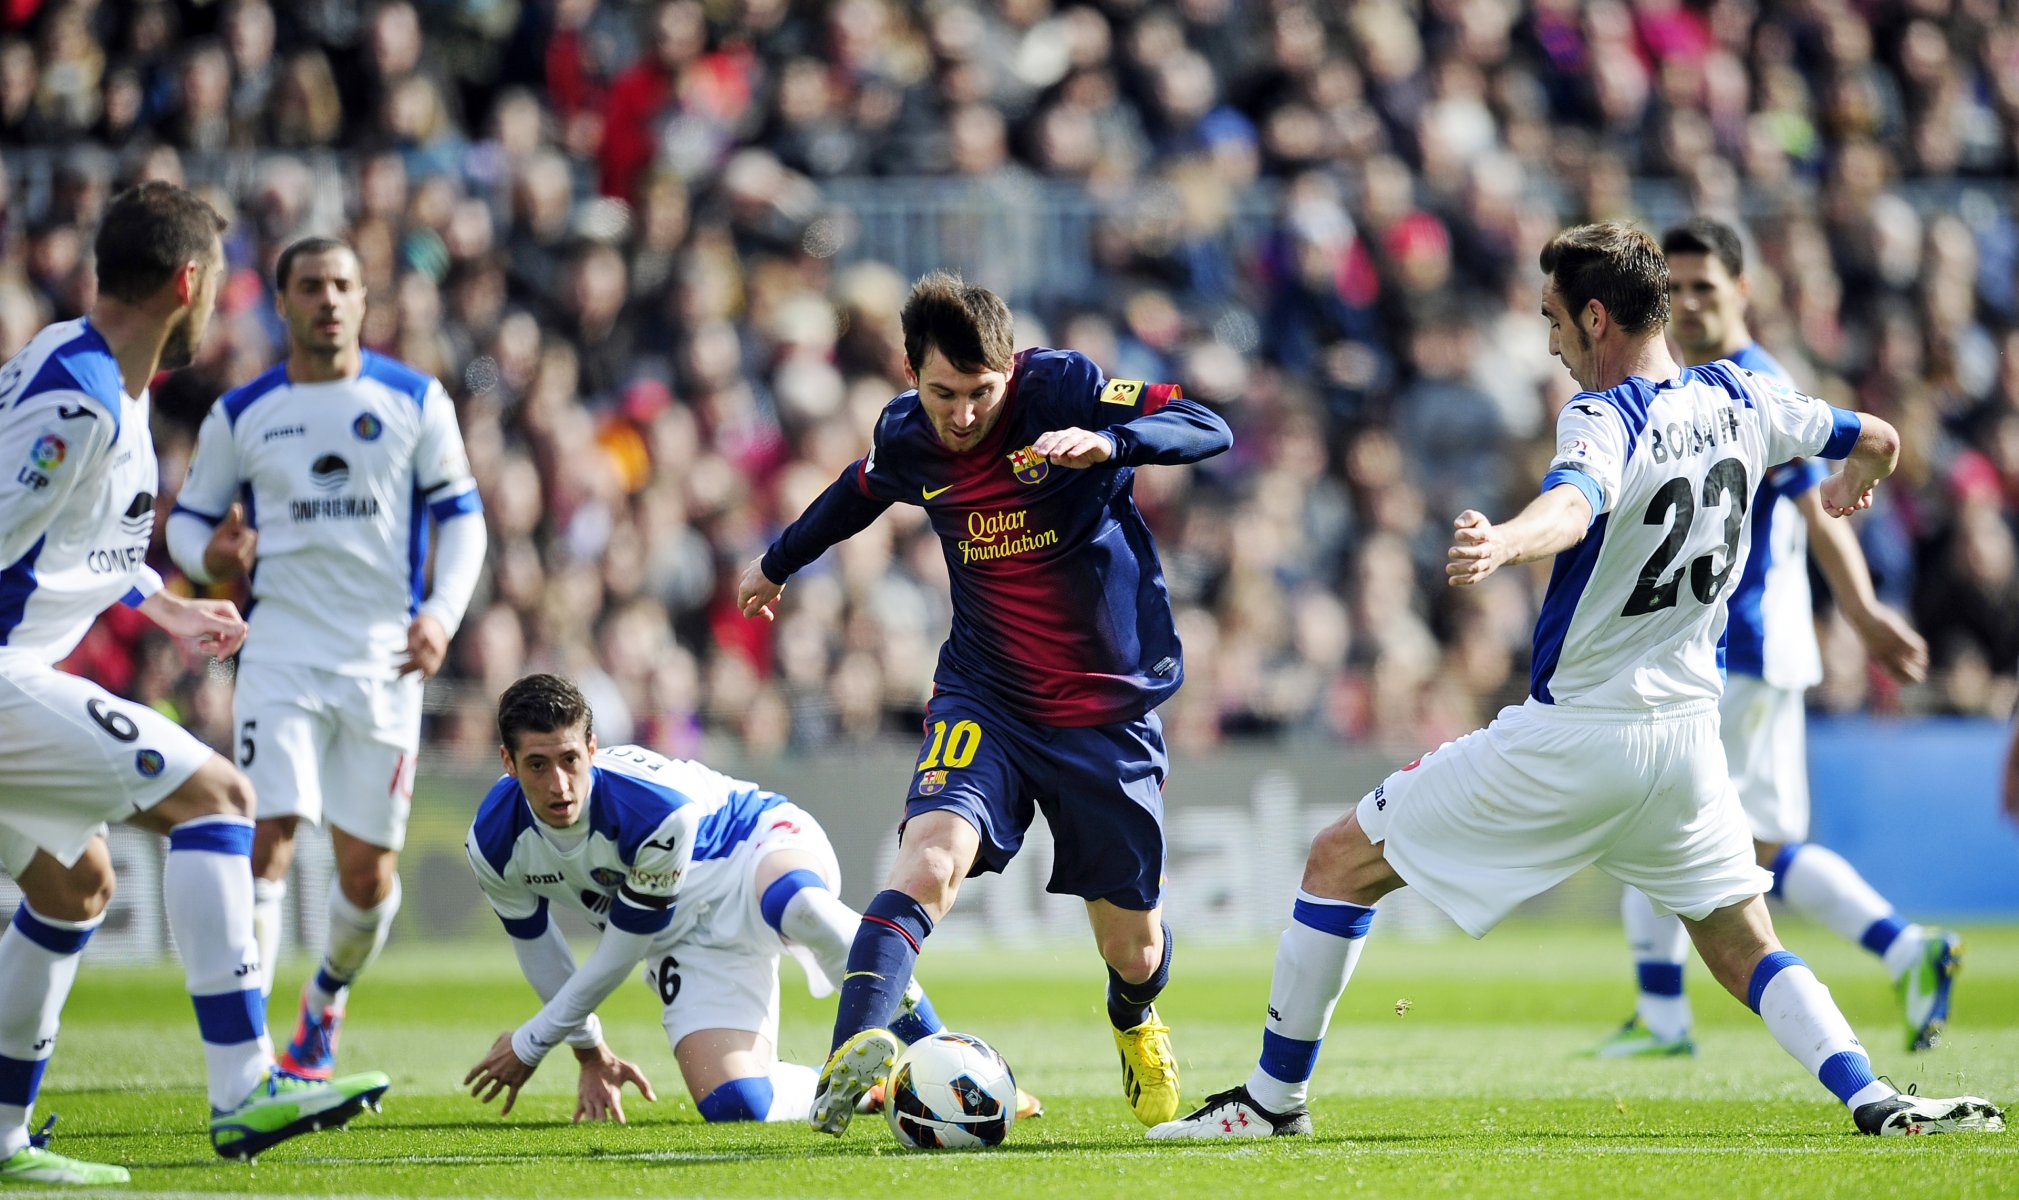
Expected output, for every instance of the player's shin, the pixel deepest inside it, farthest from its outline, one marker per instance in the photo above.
(356, 935)
(207, 889)
(1314, 959)
(880, 961)
(1804, 1019)
(1129, 1003)
(1817, 882)
(38, 963)
(1659, 946)
(269, 898)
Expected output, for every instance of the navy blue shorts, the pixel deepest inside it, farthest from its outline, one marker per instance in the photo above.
(1100, 787)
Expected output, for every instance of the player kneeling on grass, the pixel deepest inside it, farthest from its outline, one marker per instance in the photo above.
(1614, 761)
(703, 878)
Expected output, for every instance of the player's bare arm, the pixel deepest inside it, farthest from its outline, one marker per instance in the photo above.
(1552, 523)
(1873, 458)
(599, 1091)
(1074, 448)
(214, 625)
(232, 546)
(1888, 638)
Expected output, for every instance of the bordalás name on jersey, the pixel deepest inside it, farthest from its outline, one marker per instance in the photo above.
(1677, 440)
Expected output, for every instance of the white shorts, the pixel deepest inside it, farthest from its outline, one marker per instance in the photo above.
(1483, 823)
(1765, 732)
(329, 747)
(74, 756)
(727, 964)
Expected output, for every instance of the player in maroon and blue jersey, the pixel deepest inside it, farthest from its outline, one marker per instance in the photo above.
(1062, 647)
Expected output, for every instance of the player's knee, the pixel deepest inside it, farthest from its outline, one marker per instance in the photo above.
(366, 884)
(931, 876)
(1132, 957)
(221, 790)
(87, 888)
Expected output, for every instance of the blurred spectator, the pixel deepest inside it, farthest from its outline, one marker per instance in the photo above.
(630, 238)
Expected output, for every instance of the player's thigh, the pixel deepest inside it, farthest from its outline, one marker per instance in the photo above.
(1502, 814)
(368, 773)
(970, 764)
(710, 987)
(787, 839)
(281, 731)
(73, 757)
(1103, 796)
(1689, 846)
(1764, 730)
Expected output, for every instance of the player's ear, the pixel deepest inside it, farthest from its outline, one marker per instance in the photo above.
(505, 755)
(188, 282)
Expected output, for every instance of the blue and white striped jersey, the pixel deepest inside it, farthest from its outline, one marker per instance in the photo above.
(660, 830)
(1635, 614)
(77, 483)
(341, 480)
(1771, 633)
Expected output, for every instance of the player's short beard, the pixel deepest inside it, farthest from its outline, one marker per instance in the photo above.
(178, 349)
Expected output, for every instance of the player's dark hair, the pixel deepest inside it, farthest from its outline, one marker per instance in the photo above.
(1705, 236)
(541, 704)
(1618, 266)
(969, 324)
(148, 233)
(308, 245)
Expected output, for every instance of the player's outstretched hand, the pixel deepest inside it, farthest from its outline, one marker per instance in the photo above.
(1841, 495)
(232, 547)
(1893, 644)
(214, 626)
(1074, 448)
(427, 646)
(1477, 550)
(599, 1094)
(501, 1071)
(756, 594)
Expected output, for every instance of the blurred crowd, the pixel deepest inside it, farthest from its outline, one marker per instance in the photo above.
(610, 229)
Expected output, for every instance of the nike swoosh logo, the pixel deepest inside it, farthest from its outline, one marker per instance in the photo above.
(931, 492)
(860, 975)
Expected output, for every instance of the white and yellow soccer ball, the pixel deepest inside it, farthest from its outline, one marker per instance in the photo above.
(950, 1091)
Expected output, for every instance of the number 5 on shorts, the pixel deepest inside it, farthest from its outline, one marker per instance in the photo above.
(959, 743)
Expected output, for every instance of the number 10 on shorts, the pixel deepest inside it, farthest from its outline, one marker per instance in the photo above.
(958, 743)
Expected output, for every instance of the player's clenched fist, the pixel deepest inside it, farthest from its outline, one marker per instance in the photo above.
(755, 593)
(1842, 496)
(1075, 448)
(1477, 550)
(214, 625)
(232, 547)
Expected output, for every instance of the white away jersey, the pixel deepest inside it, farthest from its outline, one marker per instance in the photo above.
(77, 494)
(1635, 614)
(340, 479)
(658, 829)
(1771, 628)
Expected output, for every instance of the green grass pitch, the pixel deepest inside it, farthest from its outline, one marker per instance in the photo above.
(1473, 1090)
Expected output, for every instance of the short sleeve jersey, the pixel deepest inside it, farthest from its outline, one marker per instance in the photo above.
(1634, 615)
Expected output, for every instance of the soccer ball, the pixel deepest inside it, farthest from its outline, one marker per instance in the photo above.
(950, 1091)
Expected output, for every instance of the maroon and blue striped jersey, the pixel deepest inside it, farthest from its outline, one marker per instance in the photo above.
(1060, 612)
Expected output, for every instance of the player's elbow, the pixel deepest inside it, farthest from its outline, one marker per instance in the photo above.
(1878, 440)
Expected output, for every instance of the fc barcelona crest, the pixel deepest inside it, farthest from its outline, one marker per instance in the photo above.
(1029, 467)
(931, 782)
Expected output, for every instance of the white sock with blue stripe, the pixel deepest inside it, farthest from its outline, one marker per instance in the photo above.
(207, 888)
(1314, 959)
(1804, 1019)
(356, 935)
(38, 963)
(1816, 882)
(1659, 944)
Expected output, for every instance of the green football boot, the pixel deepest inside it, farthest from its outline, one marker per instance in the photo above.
(1925, 986)
(1632, 1040)
(285, 1106)
(37, 1163)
